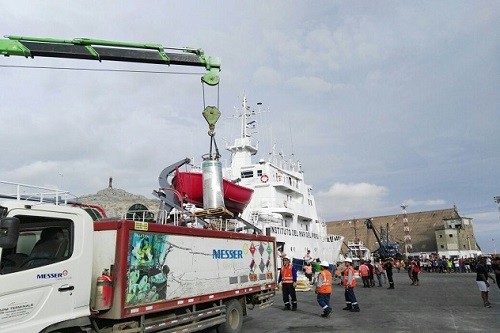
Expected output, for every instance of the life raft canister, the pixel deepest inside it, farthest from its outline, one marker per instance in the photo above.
(264, 178)
(104, 294)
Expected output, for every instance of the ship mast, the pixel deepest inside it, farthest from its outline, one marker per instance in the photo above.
(242, 150)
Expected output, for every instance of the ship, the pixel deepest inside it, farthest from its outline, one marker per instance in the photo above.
(282, 204)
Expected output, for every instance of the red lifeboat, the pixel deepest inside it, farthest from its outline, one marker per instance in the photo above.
(190, 186)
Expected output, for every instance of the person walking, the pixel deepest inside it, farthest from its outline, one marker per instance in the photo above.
(288, 279)
(379, 270)
(415, 269)
(496, 270)
(308, 271)
(349, 283)
(307, 257)
(324, 289)
(388, 271)
(371, 271)
(364, 271)
(482, 281)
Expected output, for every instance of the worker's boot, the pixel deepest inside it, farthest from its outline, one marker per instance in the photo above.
(294, 306)
(355, 308)
(287, 307)
(326, 313)
(391, 285)
(348, 307)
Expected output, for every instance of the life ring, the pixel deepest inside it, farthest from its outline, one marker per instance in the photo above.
(264, 178)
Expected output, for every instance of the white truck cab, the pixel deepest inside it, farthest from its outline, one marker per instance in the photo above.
(45, 264)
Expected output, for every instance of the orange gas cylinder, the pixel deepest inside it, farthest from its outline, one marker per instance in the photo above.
(104, 294)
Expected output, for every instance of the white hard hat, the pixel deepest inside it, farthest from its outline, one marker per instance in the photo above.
(348, 260)
(324, 263)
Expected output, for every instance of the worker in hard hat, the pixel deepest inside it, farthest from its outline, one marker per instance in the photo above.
(324, 288)
(288, 279)
(349, 284)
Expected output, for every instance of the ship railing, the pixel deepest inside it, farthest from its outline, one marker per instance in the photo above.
(184, 218)
(161, 216)
(25, 192)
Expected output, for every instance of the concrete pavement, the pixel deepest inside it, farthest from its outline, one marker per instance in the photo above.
(442, 303)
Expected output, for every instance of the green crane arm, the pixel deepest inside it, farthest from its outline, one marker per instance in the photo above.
(94, 49)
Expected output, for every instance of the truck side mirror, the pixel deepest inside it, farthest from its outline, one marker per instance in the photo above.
(9, 232)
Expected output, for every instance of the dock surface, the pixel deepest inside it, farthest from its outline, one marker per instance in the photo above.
(443, 302)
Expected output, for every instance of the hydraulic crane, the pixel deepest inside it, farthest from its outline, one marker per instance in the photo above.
(104, 50)
(386, 249)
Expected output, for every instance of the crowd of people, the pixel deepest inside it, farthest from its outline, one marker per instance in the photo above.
(378, 273)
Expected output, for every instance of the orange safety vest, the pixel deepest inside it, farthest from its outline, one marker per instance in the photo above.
(286, 274)
(364, 270)
(346, 277)
(326, 285)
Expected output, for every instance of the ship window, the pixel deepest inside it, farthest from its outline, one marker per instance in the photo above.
(440, 236)
(442, 246)
(451, 235)
(247, 174)
(259, 173)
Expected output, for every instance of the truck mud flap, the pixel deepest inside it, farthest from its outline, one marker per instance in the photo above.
(189, 322)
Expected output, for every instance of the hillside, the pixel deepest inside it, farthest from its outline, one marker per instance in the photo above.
(116, 202)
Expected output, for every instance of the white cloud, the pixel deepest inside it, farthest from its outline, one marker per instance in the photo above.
(425, 203)
(267, 76)
(309, 85)
(348, 200)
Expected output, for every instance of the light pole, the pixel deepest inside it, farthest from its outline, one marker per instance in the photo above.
(353, 225)
(497, 200)
(406, 229)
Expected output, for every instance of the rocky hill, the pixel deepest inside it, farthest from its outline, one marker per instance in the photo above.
(116, 202)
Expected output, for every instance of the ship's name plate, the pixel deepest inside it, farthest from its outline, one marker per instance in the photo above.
(296, 233)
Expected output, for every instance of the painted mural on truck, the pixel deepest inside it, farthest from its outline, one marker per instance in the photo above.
(165, 267)
(147, 270)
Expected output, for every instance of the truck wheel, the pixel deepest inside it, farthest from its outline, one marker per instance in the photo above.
(234, 318)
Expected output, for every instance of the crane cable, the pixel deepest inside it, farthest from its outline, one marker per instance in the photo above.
(99, 70)
(211, 131)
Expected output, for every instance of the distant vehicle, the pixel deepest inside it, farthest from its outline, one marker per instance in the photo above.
(386, 248)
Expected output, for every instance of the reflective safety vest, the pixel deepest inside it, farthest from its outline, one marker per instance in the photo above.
(286, 274)
(346, 277)
(326, 285)
(364, 270)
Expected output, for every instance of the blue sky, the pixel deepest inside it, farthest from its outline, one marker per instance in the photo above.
(383, 102)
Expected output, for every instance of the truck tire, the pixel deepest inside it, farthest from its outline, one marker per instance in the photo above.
(234, 318)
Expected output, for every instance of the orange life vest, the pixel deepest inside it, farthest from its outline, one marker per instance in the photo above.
(286, 274)
(326, 285)
(346, 277)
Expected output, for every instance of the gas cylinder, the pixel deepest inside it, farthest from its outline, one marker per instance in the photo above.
(104, 294)
(212, 184)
